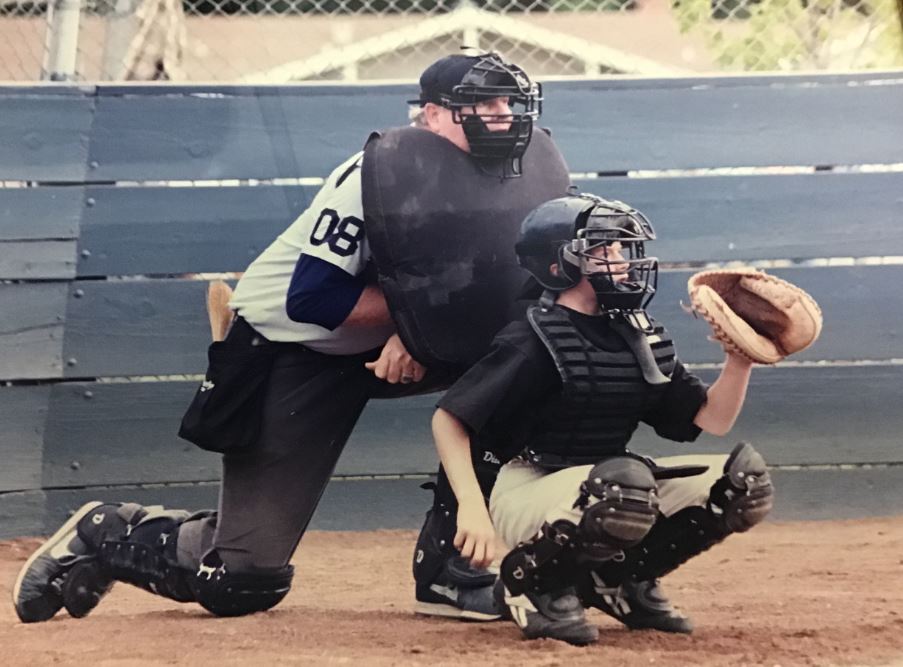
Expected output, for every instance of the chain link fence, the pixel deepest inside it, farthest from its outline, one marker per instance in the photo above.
(278, 41)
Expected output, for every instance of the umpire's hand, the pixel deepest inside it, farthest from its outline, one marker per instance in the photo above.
(395, 364)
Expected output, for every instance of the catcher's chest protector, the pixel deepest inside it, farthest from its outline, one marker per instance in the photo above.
(603, 395)
(442, 234)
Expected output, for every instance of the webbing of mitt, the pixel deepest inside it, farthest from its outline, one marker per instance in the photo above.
(754, 314)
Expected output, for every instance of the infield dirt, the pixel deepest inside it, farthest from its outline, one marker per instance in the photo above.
(819, 593)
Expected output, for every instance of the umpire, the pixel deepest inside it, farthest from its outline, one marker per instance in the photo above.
(326, 318)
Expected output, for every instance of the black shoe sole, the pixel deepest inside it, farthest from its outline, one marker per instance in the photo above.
(34, 610)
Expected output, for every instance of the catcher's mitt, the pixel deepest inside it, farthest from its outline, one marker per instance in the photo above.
(755, 315)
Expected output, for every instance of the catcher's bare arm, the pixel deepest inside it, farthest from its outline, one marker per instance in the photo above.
(757, 318)
(725, 397)
(476, 536)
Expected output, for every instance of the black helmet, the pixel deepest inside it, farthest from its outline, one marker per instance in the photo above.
(459, 81)
(563, 232)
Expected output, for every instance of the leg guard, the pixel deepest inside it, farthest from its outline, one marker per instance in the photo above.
(544, 563)
(145, 553)
(738, 500)
(435, 544)
(619, 506)
(537, 587)
(104, 543)
(235, 594)
(446, 584)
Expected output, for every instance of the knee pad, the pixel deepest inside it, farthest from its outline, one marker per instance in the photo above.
(225, 593)
(744, 495)
(619, 503)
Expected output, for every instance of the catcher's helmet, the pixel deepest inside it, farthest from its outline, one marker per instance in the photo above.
(563, 233)
(458, 82)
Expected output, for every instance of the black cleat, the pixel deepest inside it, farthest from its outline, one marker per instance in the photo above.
(459, 592)
(557, 615)
(61, 572)
(640, 605)
(83, 588)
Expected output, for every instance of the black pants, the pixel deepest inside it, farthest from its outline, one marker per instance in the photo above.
(269, 493)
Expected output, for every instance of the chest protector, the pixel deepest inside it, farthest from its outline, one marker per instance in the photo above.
(604, 393)
(442, 233)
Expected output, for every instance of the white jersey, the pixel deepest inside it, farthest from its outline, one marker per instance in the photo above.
(331, 229)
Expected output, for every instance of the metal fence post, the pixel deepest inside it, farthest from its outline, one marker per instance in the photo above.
(62, 41)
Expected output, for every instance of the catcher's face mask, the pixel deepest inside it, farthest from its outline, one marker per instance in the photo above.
(610, 251)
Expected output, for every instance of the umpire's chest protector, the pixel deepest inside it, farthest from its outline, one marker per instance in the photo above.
(442, 234)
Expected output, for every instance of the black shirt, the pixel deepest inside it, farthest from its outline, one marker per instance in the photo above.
(499, 397)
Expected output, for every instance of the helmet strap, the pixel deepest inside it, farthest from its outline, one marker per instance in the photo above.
(638, 342)
(547, 300)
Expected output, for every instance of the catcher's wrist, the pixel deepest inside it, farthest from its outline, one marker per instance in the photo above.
(736, 359)
(472, 501)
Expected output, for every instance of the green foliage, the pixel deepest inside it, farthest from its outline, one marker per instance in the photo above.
(796, 34)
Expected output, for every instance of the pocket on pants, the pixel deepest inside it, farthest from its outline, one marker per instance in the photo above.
(226, 412)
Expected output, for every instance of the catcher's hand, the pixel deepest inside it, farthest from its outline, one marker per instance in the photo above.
(755, 315)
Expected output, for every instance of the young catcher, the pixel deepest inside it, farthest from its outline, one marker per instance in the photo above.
(589, 522)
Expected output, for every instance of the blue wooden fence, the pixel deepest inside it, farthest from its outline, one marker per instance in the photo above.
(102, 316)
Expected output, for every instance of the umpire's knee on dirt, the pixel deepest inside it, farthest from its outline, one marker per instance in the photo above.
(226, 593)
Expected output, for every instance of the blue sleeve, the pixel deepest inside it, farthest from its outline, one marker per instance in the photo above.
(321, 293)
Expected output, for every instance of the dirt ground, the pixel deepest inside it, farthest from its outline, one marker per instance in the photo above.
(821, 593)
